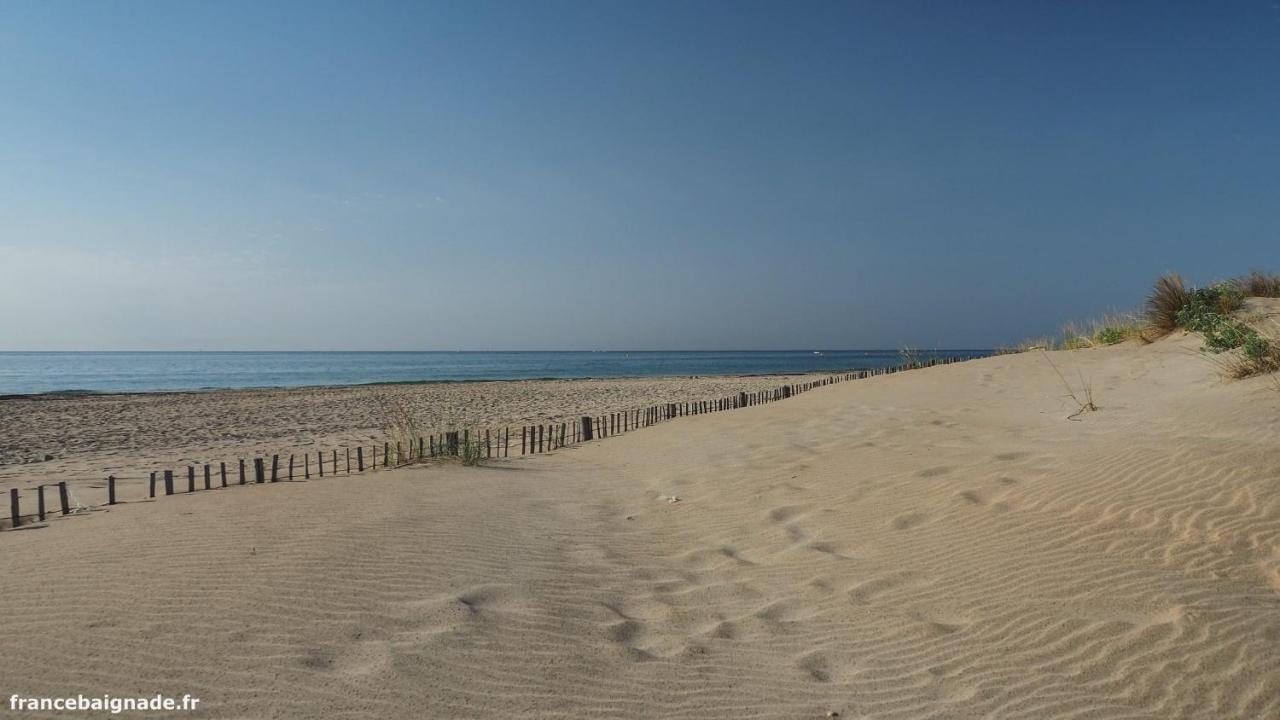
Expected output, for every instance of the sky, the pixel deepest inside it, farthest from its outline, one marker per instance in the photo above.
(608, 175)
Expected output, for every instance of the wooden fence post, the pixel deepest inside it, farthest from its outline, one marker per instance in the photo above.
(320, 461)
(290, 469)
(306, 466)
(222, 471)
(275, 468)
(207, 483)
(191, 478)
(62, 498)
(587, 431)
(111, 489)
(259, 470)
(241, 471)
(152, 489)
(168, 482)
(488, 449)
(15, 514)
(506, 442)
(40, 502)
(360, 458)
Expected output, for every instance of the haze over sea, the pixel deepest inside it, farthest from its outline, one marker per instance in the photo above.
(47, 372)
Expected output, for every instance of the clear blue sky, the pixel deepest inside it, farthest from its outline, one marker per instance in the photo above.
(647, 175)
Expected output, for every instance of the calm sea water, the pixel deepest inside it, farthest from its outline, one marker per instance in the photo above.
(44, 372)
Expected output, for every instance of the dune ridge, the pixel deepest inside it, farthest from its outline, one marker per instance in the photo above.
(937, 544)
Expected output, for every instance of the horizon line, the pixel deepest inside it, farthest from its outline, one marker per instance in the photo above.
(337, 350)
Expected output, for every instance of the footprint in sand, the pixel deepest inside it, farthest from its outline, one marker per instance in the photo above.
(822, 585)
(784, 513)
(867, 591)
(711, 557)
(724, 630)
(784, 611)
(623, 631)
(908, 521)
(816, 666)
(483, 597)
(353, 660)
(828, 549)
(732, 554)
(940, 625)
(934, 471)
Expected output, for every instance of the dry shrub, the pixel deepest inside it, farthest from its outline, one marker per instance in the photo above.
(1167, 297)
(1259, 284)
(1242, 364)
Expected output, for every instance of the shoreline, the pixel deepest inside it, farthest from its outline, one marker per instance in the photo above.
(75, 393)
(853, 367)
(83, 438)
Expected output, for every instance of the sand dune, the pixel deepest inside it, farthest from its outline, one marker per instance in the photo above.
(938, 544)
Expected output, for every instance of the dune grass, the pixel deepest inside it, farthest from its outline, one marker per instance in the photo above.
(1168, 297)
(1213, 311)
(402, 429)
(1083, 398)
(1258, 284)
(1109, 329)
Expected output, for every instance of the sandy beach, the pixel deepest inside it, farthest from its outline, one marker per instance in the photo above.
(943, 543)
(88, 437)
(946, 335)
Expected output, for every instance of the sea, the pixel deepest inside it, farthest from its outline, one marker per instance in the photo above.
(25, 373)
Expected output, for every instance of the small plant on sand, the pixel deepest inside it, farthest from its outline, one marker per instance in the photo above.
(403, 432)
(464, 447)
(911, 357)
(400, 424)
(1110, 335)
(1258, 355)
(1173, 305)
(1083, 398)
(470, 452)
(1110, 329)
(1167, 297)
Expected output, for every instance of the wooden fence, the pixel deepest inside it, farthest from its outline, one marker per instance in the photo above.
(502, 443)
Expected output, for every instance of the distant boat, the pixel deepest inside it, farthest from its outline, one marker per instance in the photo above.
(815, 352)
